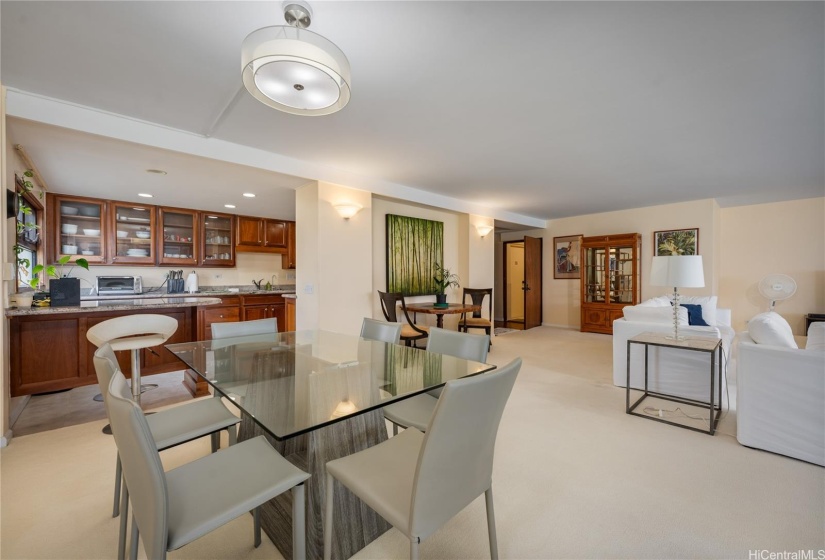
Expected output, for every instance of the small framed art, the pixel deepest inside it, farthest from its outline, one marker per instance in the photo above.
(676, 242)
(567, 257)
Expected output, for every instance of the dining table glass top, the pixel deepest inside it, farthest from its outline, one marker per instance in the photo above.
(294, 382)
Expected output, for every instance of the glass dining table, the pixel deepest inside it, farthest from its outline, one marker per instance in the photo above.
(317, 396)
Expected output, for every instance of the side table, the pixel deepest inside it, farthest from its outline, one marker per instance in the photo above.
(711, 346)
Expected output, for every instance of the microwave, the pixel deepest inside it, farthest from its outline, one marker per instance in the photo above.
(119, 285)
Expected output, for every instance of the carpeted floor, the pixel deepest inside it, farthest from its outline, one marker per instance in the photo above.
(574, 477)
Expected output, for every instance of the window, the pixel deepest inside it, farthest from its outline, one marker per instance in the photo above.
(29, 216)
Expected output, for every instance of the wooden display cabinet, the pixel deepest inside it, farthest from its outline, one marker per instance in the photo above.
(131, 234)
(177, 237)
(610, 279)
(217, 239)
(76, 226)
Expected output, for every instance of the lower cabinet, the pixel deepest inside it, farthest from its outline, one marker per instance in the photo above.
(228, 311)
(290, 314)
(265, 307)
(50, 352)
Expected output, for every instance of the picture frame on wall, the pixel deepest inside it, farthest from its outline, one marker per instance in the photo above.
(676, 242)
(567, 257)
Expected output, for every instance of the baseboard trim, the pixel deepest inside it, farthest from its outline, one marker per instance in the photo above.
(568, 327)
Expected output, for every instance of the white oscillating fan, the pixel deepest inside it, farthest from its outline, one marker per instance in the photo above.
(776, 287)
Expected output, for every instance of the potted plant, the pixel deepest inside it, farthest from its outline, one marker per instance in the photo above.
(28, 229)
(63, 290)
(443, 279)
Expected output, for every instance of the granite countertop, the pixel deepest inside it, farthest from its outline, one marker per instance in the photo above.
(205, 291)
(119, 304)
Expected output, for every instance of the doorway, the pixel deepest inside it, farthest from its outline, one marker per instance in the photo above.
(522, 262)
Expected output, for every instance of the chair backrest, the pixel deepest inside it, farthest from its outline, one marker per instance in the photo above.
(455, 464)
(142, 468)
(133, 331)
(477, 296)
(461, 345)
(372, 329)
(389, 300)
(244, 328)
(105, 367)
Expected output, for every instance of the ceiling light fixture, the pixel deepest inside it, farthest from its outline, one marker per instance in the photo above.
(295, 70)
(348, 210)
(249, 195)
(229, 206)
(145, 195)
(483, 229)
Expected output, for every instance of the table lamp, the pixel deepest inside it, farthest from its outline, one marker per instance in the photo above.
(677, 271)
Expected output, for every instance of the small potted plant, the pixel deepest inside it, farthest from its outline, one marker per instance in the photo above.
(443, 279)
(63, 290)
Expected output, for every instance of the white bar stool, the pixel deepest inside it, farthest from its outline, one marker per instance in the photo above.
(133, 332)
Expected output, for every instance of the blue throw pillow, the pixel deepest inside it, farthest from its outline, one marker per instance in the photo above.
(694, 314)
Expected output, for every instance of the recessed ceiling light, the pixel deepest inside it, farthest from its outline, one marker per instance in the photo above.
(249, 195)
(229, 205)
(156, 171)
(145, 195)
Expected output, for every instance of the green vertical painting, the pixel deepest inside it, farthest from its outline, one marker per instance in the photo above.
(414, 246)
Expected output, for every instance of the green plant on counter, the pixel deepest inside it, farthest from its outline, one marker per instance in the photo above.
(56, 270)
(444, 279)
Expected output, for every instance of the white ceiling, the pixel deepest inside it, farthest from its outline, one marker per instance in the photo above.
(534, 109)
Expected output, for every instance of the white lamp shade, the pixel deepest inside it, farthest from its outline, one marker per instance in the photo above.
(684, 271)
(483, 230)
(348, 210)
(295, 70)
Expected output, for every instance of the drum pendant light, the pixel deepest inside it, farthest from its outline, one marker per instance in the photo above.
(295, 70)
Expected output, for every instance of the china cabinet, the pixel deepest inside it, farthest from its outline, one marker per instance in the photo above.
(610, 279)
(178, 237)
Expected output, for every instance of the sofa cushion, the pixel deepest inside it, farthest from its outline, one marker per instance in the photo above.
(647, 314)
(694, 314)
(708, 304)
(661, 301)
(816, 336)
(772, 329)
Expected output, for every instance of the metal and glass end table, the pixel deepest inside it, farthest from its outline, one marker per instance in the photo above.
(710, 346)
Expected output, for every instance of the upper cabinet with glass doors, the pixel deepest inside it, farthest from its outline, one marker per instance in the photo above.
(610, 279)
(179, 242)
(77, 228)
(131, 233)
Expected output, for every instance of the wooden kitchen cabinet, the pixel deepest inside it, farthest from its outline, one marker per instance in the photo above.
(265, 307)
(288, 259)
(290, 314)
(610, 279)
(178, 241)
(131, 234)
(76, 226)
(261, 235)
(217, 234)
(228, 311)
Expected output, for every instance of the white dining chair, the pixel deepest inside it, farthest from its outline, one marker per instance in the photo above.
(418, 481)
(416, 411)
(244, 328)
(373, 329)
(168, 428)
(173, 509)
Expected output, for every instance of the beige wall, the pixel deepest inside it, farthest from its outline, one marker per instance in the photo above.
(7, 279)
(777, 238)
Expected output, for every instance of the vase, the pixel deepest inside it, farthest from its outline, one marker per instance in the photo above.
(441, 299)
(22, 300)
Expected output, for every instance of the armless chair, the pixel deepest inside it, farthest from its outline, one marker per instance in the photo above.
(244, 328)
(410, 332)
(173, 509)
(419, 481)
(417, 411)
(476, 320)
(381, 331)
(168, 428)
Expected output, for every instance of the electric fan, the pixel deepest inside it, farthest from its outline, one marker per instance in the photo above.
(776, 287)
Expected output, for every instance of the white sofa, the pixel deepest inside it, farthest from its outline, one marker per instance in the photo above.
(672, 372)
(781, 398)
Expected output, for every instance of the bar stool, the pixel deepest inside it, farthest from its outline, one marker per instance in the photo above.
(133, 332)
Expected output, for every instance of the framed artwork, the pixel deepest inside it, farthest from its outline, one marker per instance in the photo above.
(414, 247)
(676, 242)
(567, 255)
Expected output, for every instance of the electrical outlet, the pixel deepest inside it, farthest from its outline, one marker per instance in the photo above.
(308, 289)
(218, 276)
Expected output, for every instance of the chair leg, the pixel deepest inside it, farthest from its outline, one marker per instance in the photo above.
(216, 441)
(299, 531)
(118, 483)
(328, 518)
(491, 523)
(233, 435)
(133, 546)
(124, 515)
(414, 548)
(256, 517)
(395, 429)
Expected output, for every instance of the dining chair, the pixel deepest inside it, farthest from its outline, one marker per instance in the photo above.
(244, 328)
(418, 481)
(172, 509)
(416, 411)
(372, 329)
(410, 332)
(476, 320)
(168, 428)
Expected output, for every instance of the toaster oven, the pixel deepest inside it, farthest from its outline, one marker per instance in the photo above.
(119, 285)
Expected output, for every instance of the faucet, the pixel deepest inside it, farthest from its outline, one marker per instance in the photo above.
(274, 279)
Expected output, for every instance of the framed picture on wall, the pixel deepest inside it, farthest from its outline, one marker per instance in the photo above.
(676, 242)
(567, 257)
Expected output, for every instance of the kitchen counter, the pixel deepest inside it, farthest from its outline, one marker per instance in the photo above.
(215, 291)
(118, 303)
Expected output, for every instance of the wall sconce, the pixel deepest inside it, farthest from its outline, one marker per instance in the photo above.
(347, 210)
(484, 230)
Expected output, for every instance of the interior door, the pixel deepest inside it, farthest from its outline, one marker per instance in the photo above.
(532, 282)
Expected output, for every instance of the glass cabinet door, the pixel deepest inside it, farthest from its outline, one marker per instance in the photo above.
(80, 230)
(179, 237)
(621, 274)
(594, 274)
(132, 234)
(218, 246)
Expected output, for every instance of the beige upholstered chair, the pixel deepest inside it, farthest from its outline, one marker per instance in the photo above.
(244, 328)
(381, 331)
(173, 509)
(419, 481)
(168, 428)
(476, 320)
(410, 332)
(417, 411)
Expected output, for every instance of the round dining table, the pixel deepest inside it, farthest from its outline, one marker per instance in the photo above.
(430, 308)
